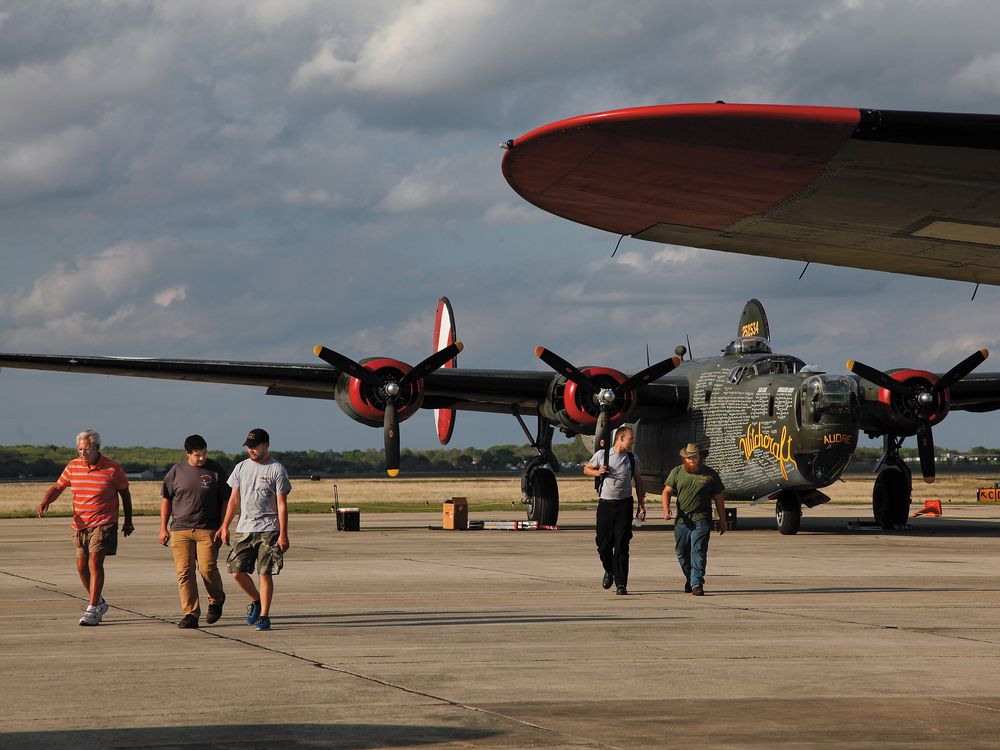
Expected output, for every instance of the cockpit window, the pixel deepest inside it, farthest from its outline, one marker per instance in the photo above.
(750, 367)
(749, 345)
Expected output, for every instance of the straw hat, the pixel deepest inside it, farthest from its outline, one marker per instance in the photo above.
(693, 449)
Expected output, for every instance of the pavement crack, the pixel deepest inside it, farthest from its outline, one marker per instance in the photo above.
(30, 580)
(856, 623)
(969, 705)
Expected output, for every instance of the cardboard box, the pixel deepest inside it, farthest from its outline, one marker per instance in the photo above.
(455, 514)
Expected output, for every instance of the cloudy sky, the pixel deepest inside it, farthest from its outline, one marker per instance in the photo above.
(243, 180)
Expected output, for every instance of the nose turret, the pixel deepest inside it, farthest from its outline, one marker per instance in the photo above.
(830, 413)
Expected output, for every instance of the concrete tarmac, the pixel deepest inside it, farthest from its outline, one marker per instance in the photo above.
(405, 636)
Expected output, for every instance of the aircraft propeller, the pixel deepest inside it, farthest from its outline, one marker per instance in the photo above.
(389, 389)
(605, 398)
(922, 398)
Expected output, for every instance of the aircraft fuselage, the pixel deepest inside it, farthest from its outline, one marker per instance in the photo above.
(768, 422)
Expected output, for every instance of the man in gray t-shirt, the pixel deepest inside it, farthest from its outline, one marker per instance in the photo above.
(614, 510)
(260, 491)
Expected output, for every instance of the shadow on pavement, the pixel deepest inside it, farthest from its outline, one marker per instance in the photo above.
(840, 525)
(442, 619)
(290, 736)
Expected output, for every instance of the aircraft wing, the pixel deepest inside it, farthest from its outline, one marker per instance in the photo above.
(978, 392)
(465, 389)
(483, 390)
(906, 192)
(318, 380)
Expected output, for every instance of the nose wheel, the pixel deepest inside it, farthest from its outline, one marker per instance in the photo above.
(893, 487)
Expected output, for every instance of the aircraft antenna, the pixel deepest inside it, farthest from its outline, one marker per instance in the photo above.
(804, 270)
(690, 353)
(647, 354)
(974, 292)
(616, 245)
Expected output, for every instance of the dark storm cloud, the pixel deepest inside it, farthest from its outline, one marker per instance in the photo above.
(47, 30)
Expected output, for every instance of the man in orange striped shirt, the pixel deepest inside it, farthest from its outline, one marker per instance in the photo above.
(97, 483)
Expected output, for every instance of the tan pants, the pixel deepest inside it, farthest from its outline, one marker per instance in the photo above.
(189, 545)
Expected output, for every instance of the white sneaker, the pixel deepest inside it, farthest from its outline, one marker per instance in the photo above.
(102, 607)
(91, 617)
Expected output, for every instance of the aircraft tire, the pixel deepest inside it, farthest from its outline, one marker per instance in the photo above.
(788, 514)
(543, 497)
(890, 500)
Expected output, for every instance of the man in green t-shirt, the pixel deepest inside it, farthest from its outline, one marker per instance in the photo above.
(696, 486)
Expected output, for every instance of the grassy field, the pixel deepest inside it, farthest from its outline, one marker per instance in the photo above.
(19, 499)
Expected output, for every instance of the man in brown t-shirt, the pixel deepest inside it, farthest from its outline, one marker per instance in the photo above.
(195, 493)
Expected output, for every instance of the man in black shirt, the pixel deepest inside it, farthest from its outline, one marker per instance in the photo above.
(195, 493)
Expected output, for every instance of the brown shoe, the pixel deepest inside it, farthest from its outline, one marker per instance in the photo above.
(698, 591)
(214, 611)
(187, 622)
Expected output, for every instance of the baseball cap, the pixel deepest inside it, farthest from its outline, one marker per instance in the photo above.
(256, 436)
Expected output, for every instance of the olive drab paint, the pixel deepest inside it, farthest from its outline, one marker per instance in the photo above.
(770, 423)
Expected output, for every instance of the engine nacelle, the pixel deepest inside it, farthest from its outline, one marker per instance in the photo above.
(573, 405)
(897, 414)
(366, 404)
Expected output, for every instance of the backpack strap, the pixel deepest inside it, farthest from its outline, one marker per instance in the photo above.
(631, 465)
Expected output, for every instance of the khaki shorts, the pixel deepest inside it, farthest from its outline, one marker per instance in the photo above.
(97, 539)
(256, 549)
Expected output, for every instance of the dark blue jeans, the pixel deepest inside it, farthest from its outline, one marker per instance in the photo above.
(691, 546)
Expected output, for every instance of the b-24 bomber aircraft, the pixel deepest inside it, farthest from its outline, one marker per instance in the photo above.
(775, 427)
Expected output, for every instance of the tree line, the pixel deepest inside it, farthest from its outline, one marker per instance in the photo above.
(47, 461)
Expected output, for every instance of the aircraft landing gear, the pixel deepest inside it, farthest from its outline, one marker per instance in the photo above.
(539, 490)
(541, 494)
(788, 513)
(893, 487)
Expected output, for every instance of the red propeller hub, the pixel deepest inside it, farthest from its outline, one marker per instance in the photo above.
(579, 401)
(904, 410)
(369, 402)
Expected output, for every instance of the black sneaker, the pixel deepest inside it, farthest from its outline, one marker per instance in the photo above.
(214, 611)
(621, 591)
(687, 588)
(608, 580)
(187, 622)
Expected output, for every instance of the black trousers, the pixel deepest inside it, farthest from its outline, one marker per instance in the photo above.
(614, 530)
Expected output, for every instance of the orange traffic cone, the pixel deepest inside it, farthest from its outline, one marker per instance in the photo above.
(931, 508)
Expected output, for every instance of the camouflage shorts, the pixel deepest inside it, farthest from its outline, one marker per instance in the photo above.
(256, 549)
(96, 539)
